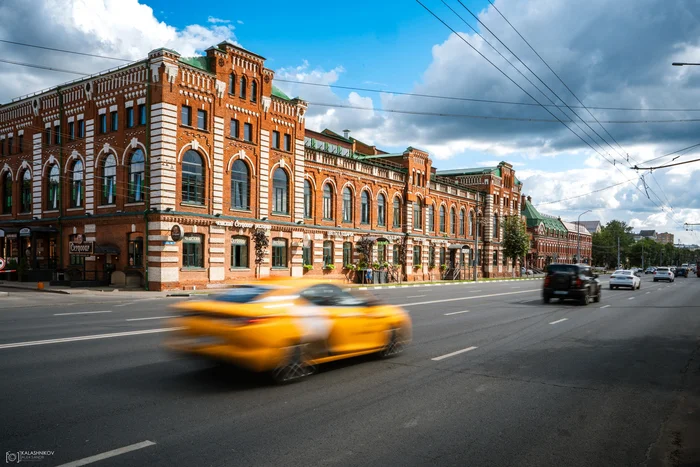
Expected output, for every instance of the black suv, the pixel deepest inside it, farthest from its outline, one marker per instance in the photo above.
(571, 281)
(681, 272)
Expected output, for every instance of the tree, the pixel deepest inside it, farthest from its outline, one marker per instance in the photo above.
(516, 241)
(364, 248)
(605, 243)
(261, 241)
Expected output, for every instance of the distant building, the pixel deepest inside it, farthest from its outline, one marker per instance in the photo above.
(591, 226)
(650, 234)
(665, 238)
(686, 246)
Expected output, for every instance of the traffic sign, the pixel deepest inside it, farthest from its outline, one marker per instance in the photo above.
(2, 264)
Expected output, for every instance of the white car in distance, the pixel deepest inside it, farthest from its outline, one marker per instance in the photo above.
(664, 274)
(625, 278)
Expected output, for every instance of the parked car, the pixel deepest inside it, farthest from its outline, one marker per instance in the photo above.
(681, 272)
(649, 270)
(664, 274)
(571, 281)
(625, 278)
(288, 327)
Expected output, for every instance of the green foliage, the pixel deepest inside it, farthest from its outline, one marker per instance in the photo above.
(605, 244)
(261, 241)
(516, 241)
(308, 267)
(364, 248)
(330, 267)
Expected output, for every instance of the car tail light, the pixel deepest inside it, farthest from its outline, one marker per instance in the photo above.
(546, 281)
(579, 283)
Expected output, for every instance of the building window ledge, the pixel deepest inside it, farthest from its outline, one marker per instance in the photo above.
(105, 206)
(284, 214)
(239, 269)
(137, 203)
(280, 268)
(203, 130)
(240, 210)
(75, 209)
(193, 205)
(52, 211)
(193, 269)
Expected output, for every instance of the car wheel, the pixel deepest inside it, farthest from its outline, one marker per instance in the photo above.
(597, 297)
(586, 299)
(654, 280)
(611, 287)
(294, 367)
(639, 286)
(545, 300)
(394, 346)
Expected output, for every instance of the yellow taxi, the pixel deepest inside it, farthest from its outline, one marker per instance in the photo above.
(287, 327)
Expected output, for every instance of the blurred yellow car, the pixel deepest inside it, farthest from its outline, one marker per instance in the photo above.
(287, 327)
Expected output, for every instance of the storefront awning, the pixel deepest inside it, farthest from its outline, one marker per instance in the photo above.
(458, 246)
(107, 249)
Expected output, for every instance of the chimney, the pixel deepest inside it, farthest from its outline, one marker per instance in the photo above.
(529, 198)
(346, 134)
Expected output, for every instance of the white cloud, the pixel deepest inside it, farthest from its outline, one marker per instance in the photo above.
(116, 28)
(239, 21)
(215, 20)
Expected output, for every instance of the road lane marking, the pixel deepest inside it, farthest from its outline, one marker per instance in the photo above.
(152, 317)
(631, 298)
(456, 312)
(559, 321)
(82, 313)
(469, 298)
(605, 306)
(415, 296)
(108, 454)
(647, 293)
(86, 338)
(442, 357)
(518, 287)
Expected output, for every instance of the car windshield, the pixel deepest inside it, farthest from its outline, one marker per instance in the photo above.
(662, 270)
(242, 294)
(565, 268)
(625, 272)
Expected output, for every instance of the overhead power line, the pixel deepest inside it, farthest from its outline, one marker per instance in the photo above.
(64, 51)
(664, 166)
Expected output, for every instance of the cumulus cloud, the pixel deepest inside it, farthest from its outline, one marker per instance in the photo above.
(215, 20)
(115, 28)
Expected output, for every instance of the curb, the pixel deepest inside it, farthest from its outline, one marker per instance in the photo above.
(64, 292)
(439, 284)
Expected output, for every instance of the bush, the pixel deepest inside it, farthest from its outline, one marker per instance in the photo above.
(329, 266)
(308, 267)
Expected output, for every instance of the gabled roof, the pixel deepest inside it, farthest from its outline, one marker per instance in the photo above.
(277, 92)
(200, 62)
(469, 171)
(535, 218)
(647, 233)
(575, 228)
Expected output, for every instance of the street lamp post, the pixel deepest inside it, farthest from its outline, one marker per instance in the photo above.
(578, 236)
(684, 64)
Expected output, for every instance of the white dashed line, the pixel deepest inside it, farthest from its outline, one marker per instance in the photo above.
(456, 312)
(468, 298)
(415, 296)
(108, 454)
(559, 321)
(86, 338)
(82, 313)
(631, 298)
(605, 306)
(647, 293)
(152, 317)
(442, 357)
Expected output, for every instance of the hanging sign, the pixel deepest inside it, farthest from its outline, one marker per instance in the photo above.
(2, 264)
(25, 232)
(176, 233)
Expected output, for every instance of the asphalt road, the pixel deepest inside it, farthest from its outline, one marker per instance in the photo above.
(542, 385)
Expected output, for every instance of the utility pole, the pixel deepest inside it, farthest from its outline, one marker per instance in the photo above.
(618, 253)
(476, 247)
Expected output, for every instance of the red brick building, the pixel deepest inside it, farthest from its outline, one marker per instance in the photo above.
(160, 173)
(553, 240)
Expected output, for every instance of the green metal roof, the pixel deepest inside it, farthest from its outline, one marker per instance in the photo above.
(534, 218)
(198, 62)
(470, 171)
(277, 92)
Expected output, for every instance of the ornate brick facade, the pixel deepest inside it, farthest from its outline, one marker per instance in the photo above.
(209, 146)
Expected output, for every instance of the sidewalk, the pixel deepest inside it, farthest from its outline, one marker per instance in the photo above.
(445, 282)
(34, 286)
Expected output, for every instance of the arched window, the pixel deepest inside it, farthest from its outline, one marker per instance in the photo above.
(308, 200)
(76, 185)
(52, 188)
(280, 192)
(240, 185)
(136, 170)
(495, 226)
(192, 178)
(254, 91)
(231, 83)
(471, 223)
(328, 254)
(364, 208)
(347, 205)
(461, 222)
(431, 218)
(453, 221)
(397, 212)
(442, 218)
(381, 210)
(327, 201)
(26, 192)
(7, 193)
(109, 179)
(417, 214)
(242, 88)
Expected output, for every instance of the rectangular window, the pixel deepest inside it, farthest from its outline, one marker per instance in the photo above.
(57, 134)
(234, 128)
(192, 251)
(279, 253)
(47, 136)
(381, 252)
(395, 253)
(347, 253)
(77, 260)
(416, 255)
(136, 252)
(202, 119)
(71, 130)
(288, 143)
(81, 129)
(239, 252)
(20, 143)
(2, 147)
(130, 117)
(114, 118)
(9, 145)
(328, 258)
(142, 114)
(103, 124)
(495, 258)
(442, 256)
(276, 139)
(248, 131)
(186, 115)
(307, 255)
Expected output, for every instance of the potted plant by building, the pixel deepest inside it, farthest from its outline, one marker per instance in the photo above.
(308, 267)
(349, 271)
(329, 267)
